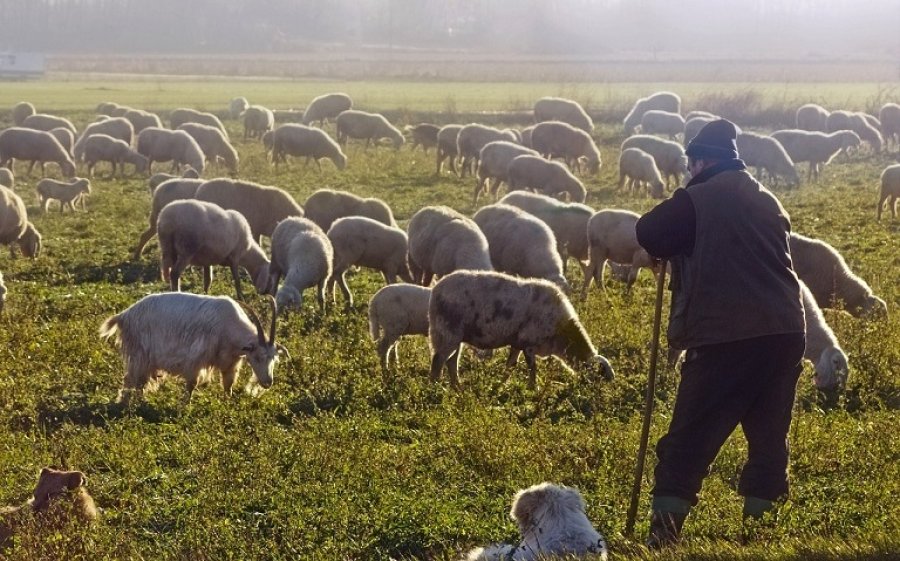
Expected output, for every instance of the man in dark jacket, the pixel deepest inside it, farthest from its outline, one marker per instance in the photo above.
(736, 309)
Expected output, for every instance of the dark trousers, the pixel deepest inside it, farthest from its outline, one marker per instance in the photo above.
(751, 383)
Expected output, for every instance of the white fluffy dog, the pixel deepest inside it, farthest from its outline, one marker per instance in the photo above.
(552, 522)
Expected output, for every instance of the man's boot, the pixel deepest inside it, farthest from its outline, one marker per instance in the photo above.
(666, 521)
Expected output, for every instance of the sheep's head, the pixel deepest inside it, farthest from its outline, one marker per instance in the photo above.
(263, 352)
(190, 173)
(289, 297)
(849, 139)
(398, 140)
(831, 369)
(84, 185)
(141, 163)
(340, 160)
(30, 242)
(68, 168)
(52, 483)
(657, 189)
(601, 365)
(874, 307)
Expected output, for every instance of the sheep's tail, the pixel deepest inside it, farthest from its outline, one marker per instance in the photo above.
(374, 326)
(110, 327)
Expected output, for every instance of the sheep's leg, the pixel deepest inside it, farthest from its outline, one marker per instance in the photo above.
(30, 168)
(384, 352)
(190, 384)
(621, 179)
(589, 272)
(479, 186)
(564, 256)
(62, 205)
(45, 204)
(274, 279)
(427, 277)
(453, 368)
(320, 295)
(345, 290)
(532, 368)
(440, 160)
(453, 167)
(229, 375)
(142, 242)
(207, 278)
(236, 275)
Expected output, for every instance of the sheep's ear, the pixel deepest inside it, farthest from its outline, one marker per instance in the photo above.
(526, 505)
(45, 471)
(75, 480)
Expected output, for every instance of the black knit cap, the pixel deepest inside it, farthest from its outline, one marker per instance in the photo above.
(716, 140)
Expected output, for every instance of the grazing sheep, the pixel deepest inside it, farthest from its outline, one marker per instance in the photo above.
(237, 106)
(65, 137)
(163, 145)
(662, 101)
(546, 177)
(327, 106)
(7, 179)
(424, 135)
(34, 146)
(141, 120)
(303, 141)
(21, 111)
(43, 122)
(263, 206)
(890, 123)
(116, 127)
(526, 136)
(257, 121)
(199, 233)
(830, 280)
(369, 126)
(890, 190)
(817, 148)
(472, 138)
(170, 190)
(692, 126)
(838, 121)
(396, 310)
(441, 240)
(866, 131)
(612, 237)
(640, 169)
(213, 143)
(822, 347)
(668, 155)
(104, 148)
(186, 335)
(662, 122)
(181, 116)
(812, 117)
(68, 194)
(446, 146)
(326, 205)
(554, 139)
(766, 153)
(158, 178)
(15, 229)
(521, 244)
(302, 253)
(358, 240)
(565, 110)
(493, 165)
(489, 310)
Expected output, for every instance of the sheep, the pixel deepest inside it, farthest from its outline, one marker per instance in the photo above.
(163, 145)
(263, 206)
(663, 101)
(358, 240)
(104, 148)
(7, 179)
(526, 136)
(441, 240)
(396, 310)
(257, 121)
(489, 310)
(662, 122)
(44, 122)
(822, 347)
(554, 139)
(890, 122)
(766, 153)
(866, 131)
(199, 233)
(158, 178)
(838, 121)
(15, 229)
(2, 293)
(213, 143)
(65, 137)
(493, 165)
(327, 106)
(68, 194)
(424, 135)
(471, 139)
(565, 110)
(640, 169)
(812, 117)
(301, 140)
(107, 108)
(446, 146)
(302, 253)
(612, 237)
(326, 205)
(692, 127)
(830, 280)
(116, 127)
(183, 115)
(141, 120)
(370, 126)
(890, 190)
(186, 335)
(521, 244)
(237, 106)
(547, 177)
(817, 148)
(34, 146)
(171, 190)
(668, 155)
(21, 111)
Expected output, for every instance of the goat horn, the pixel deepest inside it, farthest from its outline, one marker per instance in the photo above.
(274, 307)
(260, 334)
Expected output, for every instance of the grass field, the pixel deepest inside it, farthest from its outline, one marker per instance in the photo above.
(335, 462)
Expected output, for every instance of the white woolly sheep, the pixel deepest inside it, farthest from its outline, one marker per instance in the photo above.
(838, 121)
(521, 244)
(68, 194)
(612, 236)
(489, 310)
(565, 110)
(830, 280)
(213, 143)
(890, 190)
(327, 205)
(472, 138)
(65, 137)
(15, 229)
(358, 240)
(257, 121)
(327, 106)
(34, 146)
(446, 146)
(555, 139)
(397, 310)
(116, 127)
(141, 119)
(158, 178)
(493, 165)
(369, 126)
(812, 117)
(7, 179)
(183, 115)
(867, 132)
(766, 153)
(662, 101)
(104, 148)
(237, 106)
(424, 135)
(199, 233)
(170, 190)
(302, 254)
(441, 240)
(186, 335)
(662, 122)
(693, 125)
(639, 168)
(547, 177)
(668, 155)
(817, 148)
(309, 142)
(163, 145)
(44, 122)
(890, 123)
(263, 206)
(822, 347)
(21, 111)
